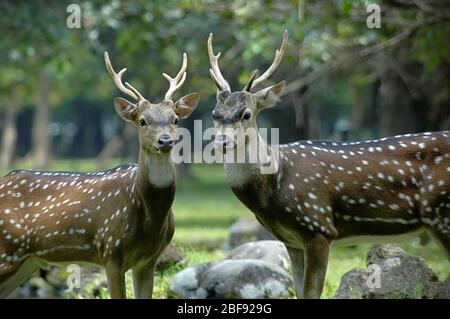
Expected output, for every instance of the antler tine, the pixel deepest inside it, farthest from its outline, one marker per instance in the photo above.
(249, 84)
(135, 91)
(216, 75)
(276, 61)
(176, 82)
(117, 78)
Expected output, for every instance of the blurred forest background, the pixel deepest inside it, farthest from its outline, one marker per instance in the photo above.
(345, 80)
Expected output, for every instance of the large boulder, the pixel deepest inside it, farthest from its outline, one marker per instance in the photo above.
(272, 251)
(246, 229)
(390, 273)
(186, 283)
(240, 279)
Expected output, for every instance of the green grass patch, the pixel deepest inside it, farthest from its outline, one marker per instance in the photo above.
(204, 208)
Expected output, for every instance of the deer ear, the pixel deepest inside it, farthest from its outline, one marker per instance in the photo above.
(126, 109)
(186, 105)
(268, 97)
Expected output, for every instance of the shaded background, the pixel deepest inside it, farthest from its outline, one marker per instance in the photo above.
(345, 81)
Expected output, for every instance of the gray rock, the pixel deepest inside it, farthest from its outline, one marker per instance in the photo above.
(390, 273)
(379, 253)
(246, 229)
(172, 254)
(272, 251)
(243, 278)
(444, 289)
(52, 282)
(186, 283)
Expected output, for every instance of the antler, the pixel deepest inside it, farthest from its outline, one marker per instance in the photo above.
(176, 82)
(117, 77)
(276, 62)
(249, 84)
(214, 71)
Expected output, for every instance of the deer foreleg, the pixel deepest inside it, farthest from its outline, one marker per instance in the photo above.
(13, 279)
(316, 259)
(115, 275)
(143, 280)
(298, 266)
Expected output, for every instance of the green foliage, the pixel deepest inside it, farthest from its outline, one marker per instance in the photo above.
(432, 47)
(148, 37)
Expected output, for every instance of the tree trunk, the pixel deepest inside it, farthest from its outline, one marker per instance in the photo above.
(9, 136)
(396, 112)
(302, 114)
(41, 139)
(115, 145)
(439, 112)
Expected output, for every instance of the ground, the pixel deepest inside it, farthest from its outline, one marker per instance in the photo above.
(204, 209)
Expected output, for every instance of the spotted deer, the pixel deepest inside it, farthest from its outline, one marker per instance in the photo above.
(324, 193)
(120, 218)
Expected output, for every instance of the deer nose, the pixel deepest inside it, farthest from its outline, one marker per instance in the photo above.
(165, 142)
(222, 142)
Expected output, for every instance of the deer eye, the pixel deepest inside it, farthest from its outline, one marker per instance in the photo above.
(246, 115)
(142, 122)
(176, 120)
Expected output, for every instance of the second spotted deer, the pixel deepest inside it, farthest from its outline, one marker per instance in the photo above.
(120, 218)
(323, 193)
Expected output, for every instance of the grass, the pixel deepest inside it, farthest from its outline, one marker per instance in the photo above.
(205, 208)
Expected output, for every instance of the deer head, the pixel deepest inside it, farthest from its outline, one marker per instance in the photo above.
(156, 122)
(235, 112)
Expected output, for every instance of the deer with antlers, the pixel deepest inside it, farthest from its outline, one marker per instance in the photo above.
(120, 218)
(325, 193)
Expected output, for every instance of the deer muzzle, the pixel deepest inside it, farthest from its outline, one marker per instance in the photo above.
(165, 142)
(223, 142)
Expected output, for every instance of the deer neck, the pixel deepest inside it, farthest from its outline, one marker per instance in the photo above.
(155, 184)
(255, 170)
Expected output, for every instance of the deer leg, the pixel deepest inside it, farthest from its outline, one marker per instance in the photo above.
(317, 249)
(298, 266)
(16, 276)
(115, 276)
(143, 280)
(8, 282)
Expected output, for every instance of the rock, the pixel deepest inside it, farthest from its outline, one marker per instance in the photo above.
(246, 229)
(444, 289)
(272, 251)
(390, 273)
(48, 283)
(252, 270)
(378, 253)
(170, 256)
(53, 281)
(186, 283)
(242, 278)
(351, 285)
